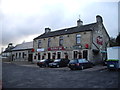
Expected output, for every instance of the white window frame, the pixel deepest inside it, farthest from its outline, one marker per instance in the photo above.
(78, 36)
(39, 43)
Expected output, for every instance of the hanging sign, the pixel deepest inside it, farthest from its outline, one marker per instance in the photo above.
(99, 40)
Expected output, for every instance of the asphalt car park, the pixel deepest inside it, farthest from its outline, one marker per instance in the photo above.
(18, 76)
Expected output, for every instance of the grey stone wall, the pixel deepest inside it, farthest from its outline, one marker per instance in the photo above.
(88, 37)
(21, 57)
(99, 30)
(69, 41)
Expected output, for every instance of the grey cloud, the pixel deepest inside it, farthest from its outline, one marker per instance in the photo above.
(15, 31)
(108, 10)
(18, 27)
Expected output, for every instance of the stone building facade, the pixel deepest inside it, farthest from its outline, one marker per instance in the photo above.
(82, 41)
(23, 52)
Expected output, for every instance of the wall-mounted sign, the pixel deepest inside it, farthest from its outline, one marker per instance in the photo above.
(55, 48)
(86, 46)
(40, 50)
(33, 50)
(99, 40)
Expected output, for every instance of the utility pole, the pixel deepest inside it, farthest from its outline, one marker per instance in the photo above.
(2, 50)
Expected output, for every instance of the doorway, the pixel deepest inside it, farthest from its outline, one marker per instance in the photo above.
(85, 54)
(53, 55)
(49, 55)
(58, 55)
(39, 56)
(30, 57)
(75, 55)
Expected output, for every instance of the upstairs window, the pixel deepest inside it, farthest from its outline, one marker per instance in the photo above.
(61, 41)
(39, 44)
(49, 41)
(78, 39)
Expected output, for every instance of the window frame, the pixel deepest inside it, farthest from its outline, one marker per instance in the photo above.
(78, 37)
(49, 42)
(39, 43)
(19, 54)
(61, 40)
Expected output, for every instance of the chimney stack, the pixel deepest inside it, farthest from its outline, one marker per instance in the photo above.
(79, 23)
(99, 19)
(47, 30)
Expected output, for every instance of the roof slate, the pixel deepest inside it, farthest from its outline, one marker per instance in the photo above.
(23, 46)
(71, 30)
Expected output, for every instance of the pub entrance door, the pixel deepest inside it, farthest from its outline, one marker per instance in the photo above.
(85, 54)
(30, 57)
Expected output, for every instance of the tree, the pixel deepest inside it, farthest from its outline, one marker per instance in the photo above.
(112, 42)
(118, 39)
(9, 48)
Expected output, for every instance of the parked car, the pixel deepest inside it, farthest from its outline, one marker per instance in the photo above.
(59, 63)
(44, 62)
(79, 64)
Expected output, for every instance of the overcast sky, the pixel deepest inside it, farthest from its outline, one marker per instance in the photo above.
(23, 20)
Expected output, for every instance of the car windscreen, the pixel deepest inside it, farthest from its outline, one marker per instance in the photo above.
(57, 60)
(42, 60)
(82, 60)
(73, 61)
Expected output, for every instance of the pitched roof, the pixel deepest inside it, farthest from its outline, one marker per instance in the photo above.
(71, 30)
(23, 46)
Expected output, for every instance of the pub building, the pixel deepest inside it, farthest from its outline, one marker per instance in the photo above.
(82, 41)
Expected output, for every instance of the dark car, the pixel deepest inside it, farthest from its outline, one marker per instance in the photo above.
(79, 64)
(59, 63)
(44, 62)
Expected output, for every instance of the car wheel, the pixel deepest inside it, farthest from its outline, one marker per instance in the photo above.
(71, 68)
(58, 66)
(91, 66)
(40, 66)
(46, 65)
(50, 66)
(82, 67)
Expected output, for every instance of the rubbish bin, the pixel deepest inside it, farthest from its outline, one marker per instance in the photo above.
(112, 64)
